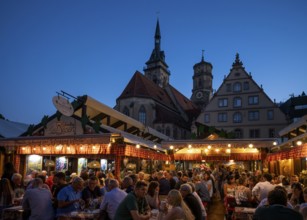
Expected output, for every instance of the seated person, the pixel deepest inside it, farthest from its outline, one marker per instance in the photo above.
(92, 194)
(277, 208)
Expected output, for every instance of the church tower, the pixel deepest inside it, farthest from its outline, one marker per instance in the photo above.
(156, 69)
(202, 83)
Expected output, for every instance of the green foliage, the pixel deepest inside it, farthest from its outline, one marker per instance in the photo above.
(193, 136)
(223, 133)
(212, 130)
(96, 126)
(44, 121)
(84, 121)
(2, 117)
(30, 129)
(201, 129)
(58, 115)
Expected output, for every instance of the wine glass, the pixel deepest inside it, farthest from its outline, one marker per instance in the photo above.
(82, 204)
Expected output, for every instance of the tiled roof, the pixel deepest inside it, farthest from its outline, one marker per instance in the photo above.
(9, 129)
(142, 87)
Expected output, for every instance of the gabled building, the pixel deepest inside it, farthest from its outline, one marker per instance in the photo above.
(295, 107)
(152, 100)
(240, 106)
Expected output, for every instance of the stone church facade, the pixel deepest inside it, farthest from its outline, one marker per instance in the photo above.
(239, 106)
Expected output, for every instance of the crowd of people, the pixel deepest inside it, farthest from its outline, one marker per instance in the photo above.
(173, 194)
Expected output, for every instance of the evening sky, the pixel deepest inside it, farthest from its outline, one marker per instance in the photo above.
(94, 47)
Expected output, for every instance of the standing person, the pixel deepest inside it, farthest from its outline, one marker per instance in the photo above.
(8, 171)
(6, 194)
(59, 182)
(191, 201)
(207, 180)
(277, 208)
(38, 201)
(201, 190)
(179, 210)
(203, 210)
(128, 209)
(230, 186)
(164, 185)
(112, 199)
(183, 179)
(169, 176)
(243, 194)
(69, 197)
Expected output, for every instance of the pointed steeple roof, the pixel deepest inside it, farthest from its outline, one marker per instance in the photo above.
(158, 35)
(157, 55)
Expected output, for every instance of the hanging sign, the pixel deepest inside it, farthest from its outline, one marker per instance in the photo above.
(63, 105)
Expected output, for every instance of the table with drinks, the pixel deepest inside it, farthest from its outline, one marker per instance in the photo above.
(243, 213)
(12, 213)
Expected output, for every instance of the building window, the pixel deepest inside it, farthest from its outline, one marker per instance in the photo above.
(142, 115)
(253, 115)
(238, 133)
(175, 133)
(237, 87)
(270, 114)
(237, 102)
(228, 87)
(200, 83)
(254, 133)
(246, 86)
(237, 117)
(159, 129)
(271, 133)
(223, 102)
(167, 131)
(207, 118)
(298, 107)
(253, 100)
(126, 111)
(222, 117)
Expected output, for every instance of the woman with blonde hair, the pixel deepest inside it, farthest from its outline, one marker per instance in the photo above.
(179, 209)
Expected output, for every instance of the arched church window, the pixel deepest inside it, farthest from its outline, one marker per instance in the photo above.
(142, 115)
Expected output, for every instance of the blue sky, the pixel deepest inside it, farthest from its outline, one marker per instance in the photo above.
(94, 47)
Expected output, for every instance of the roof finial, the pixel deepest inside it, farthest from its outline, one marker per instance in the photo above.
(237, 61)
(202, 55)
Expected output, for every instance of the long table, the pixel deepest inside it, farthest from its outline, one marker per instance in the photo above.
(12, 213)
(243, 213)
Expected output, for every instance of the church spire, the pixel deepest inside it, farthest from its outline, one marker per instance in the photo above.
(156, 69)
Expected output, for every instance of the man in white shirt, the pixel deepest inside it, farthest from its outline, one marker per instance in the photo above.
(262, 189)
